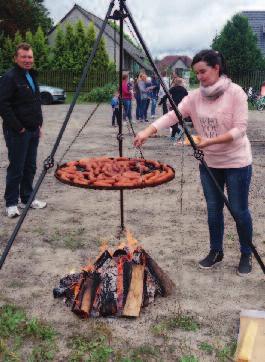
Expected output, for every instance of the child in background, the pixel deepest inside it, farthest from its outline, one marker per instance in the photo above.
(115, 109)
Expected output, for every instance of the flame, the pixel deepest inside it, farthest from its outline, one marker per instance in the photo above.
(122, 245)
(103, 247)
(132, 243)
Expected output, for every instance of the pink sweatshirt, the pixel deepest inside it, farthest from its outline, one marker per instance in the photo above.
(211, 118)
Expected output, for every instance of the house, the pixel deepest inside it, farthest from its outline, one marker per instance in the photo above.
(256, 20)
(174, 63)
(134, 58)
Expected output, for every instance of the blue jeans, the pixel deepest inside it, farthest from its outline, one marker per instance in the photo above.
(138, 107)
(127, 104)
(153, 106)
(237, 181)
(22, 155)
(143, 109)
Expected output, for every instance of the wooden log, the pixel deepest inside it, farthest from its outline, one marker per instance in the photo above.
(135, 296)
(86, 295)
(248, 341)
(251, 339)
(166, 284)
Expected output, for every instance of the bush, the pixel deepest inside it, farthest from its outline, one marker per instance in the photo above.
(101, 94)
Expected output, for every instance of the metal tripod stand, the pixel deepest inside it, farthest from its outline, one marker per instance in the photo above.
(120, 15)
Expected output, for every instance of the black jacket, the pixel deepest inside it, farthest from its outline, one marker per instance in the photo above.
(178, 93)
(20, 107)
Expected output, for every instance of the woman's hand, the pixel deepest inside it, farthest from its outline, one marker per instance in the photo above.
(224, 138)
(204, 142)
(142, 136)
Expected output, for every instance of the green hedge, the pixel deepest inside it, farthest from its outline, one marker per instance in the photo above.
(100, 94)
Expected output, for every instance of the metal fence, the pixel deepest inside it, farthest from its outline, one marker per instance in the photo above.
(252, 79)
(69, 79)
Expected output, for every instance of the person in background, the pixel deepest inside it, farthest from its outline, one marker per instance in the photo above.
(262, 90)
(126, 97)
(219, 112)
(115, 109)
(155, 85)
(142, 85)
(20, 108)
(149, 90)
(161, 93)
(178, 92)
(137, 96)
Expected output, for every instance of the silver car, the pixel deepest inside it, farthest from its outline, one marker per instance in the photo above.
(51, 95)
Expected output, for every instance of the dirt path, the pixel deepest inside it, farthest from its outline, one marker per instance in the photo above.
(69, 231)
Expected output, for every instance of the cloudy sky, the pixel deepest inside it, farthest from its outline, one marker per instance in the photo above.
(168, 26)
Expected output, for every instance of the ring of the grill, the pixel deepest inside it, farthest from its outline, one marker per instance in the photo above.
(141, 185)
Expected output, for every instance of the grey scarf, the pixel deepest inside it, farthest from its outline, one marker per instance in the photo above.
(217, 89)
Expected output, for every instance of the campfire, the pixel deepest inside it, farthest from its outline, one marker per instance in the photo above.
(118, 283)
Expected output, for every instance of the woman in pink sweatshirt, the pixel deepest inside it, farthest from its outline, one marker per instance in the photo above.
(219, 112)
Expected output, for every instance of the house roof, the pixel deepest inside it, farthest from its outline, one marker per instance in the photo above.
(132, 50)
(170, 60)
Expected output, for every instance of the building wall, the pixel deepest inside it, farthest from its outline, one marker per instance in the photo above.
(256, 20)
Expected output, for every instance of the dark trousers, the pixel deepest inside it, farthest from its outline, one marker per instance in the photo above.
(175, 129)
(127, 109)
(22, 155)
(138, 107)
(115, 116)
(237, 181)
(143, 109)
(164, 105)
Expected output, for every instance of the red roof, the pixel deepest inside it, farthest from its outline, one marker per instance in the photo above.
(170, 60)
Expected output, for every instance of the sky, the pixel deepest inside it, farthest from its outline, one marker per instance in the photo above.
(168, 27)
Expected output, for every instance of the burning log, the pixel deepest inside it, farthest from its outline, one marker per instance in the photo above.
(117, 284)
(166, 284)
(135, 296)
(84, 299)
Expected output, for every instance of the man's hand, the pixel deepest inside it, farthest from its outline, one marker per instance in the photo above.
(22, 130)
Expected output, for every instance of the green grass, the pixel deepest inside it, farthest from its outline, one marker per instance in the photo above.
(223, 353)
(189, 358)
(70, 239)
(206, 347)
(17, 331)
(93, 345)
(179, 321)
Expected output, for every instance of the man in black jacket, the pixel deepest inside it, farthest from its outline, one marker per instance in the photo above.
(20, 109)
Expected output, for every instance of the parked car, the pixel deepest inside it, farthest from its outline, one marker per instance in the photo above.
(51, 95)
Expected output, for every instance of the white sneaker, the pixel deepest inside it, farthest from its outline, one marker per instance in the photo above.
(12, 211)
(152, 116)
(36, 204)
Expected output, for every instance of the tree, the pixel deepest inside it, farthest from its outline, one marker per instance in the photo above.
(17, 39)
(23, 15)
(238, 44)
(73, 47)
(29, 37)
(7, 53)
(41, 50)
(58, 49)
(101, 60)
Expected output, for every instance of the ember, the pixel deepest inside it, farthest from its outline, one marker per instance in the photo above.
(117, 284)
